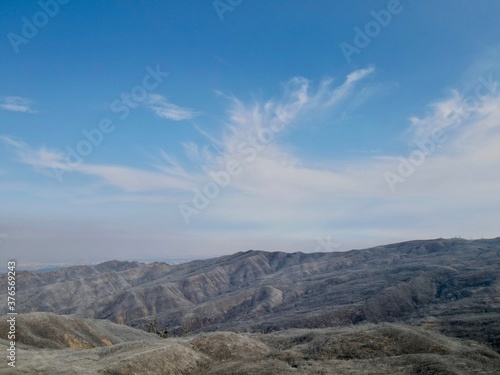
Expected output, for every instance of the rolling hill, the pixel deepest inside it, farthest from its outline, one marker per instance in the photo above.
(449, 285)
(51, 344)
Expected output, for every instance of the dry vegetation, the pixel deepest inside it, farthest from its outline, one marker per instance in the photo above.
(364, 349)
(419, 307)
(457, 281)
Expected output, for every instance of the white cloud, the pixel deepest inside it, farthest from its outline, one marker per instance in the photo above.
(133, 180)
(164, 109)
(447, 114)
(40, 158)
(454, 191)
(460, 108)
(341, 91)
(124, 178)
(244, 124)
(296, 197)
(11, 141)
(16, 104)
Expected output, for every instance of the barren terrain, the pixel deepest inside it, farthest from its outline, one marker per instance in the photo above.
(418, 307)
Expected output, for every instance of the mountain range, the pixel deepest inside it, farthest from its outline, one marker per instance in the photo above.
(449, 288)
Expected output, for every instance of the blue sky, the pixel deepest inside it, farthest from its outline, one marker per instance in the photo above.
(200, 128)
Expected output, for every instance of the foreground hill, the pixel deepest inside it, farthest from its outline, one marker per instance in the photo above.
(48, 330)
(450, 285)
(108, 348)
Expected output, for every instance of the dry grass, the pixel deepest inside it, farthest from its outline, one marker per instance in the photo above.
(364, 349)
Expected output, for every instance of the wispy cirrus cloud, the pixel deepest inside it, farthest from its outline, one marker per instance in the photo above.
(39, 158)
(167, 110)
(463, 175)
(244, 121)
(16, 104)
(126, 179)
(460, 107)
(340, 92)
(344, 197)
(247, 121)
(447, 114)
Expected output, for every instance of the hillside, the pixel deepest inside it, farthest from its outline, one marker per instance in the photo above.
(48, 330)
(450, 285)
(103, 347)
